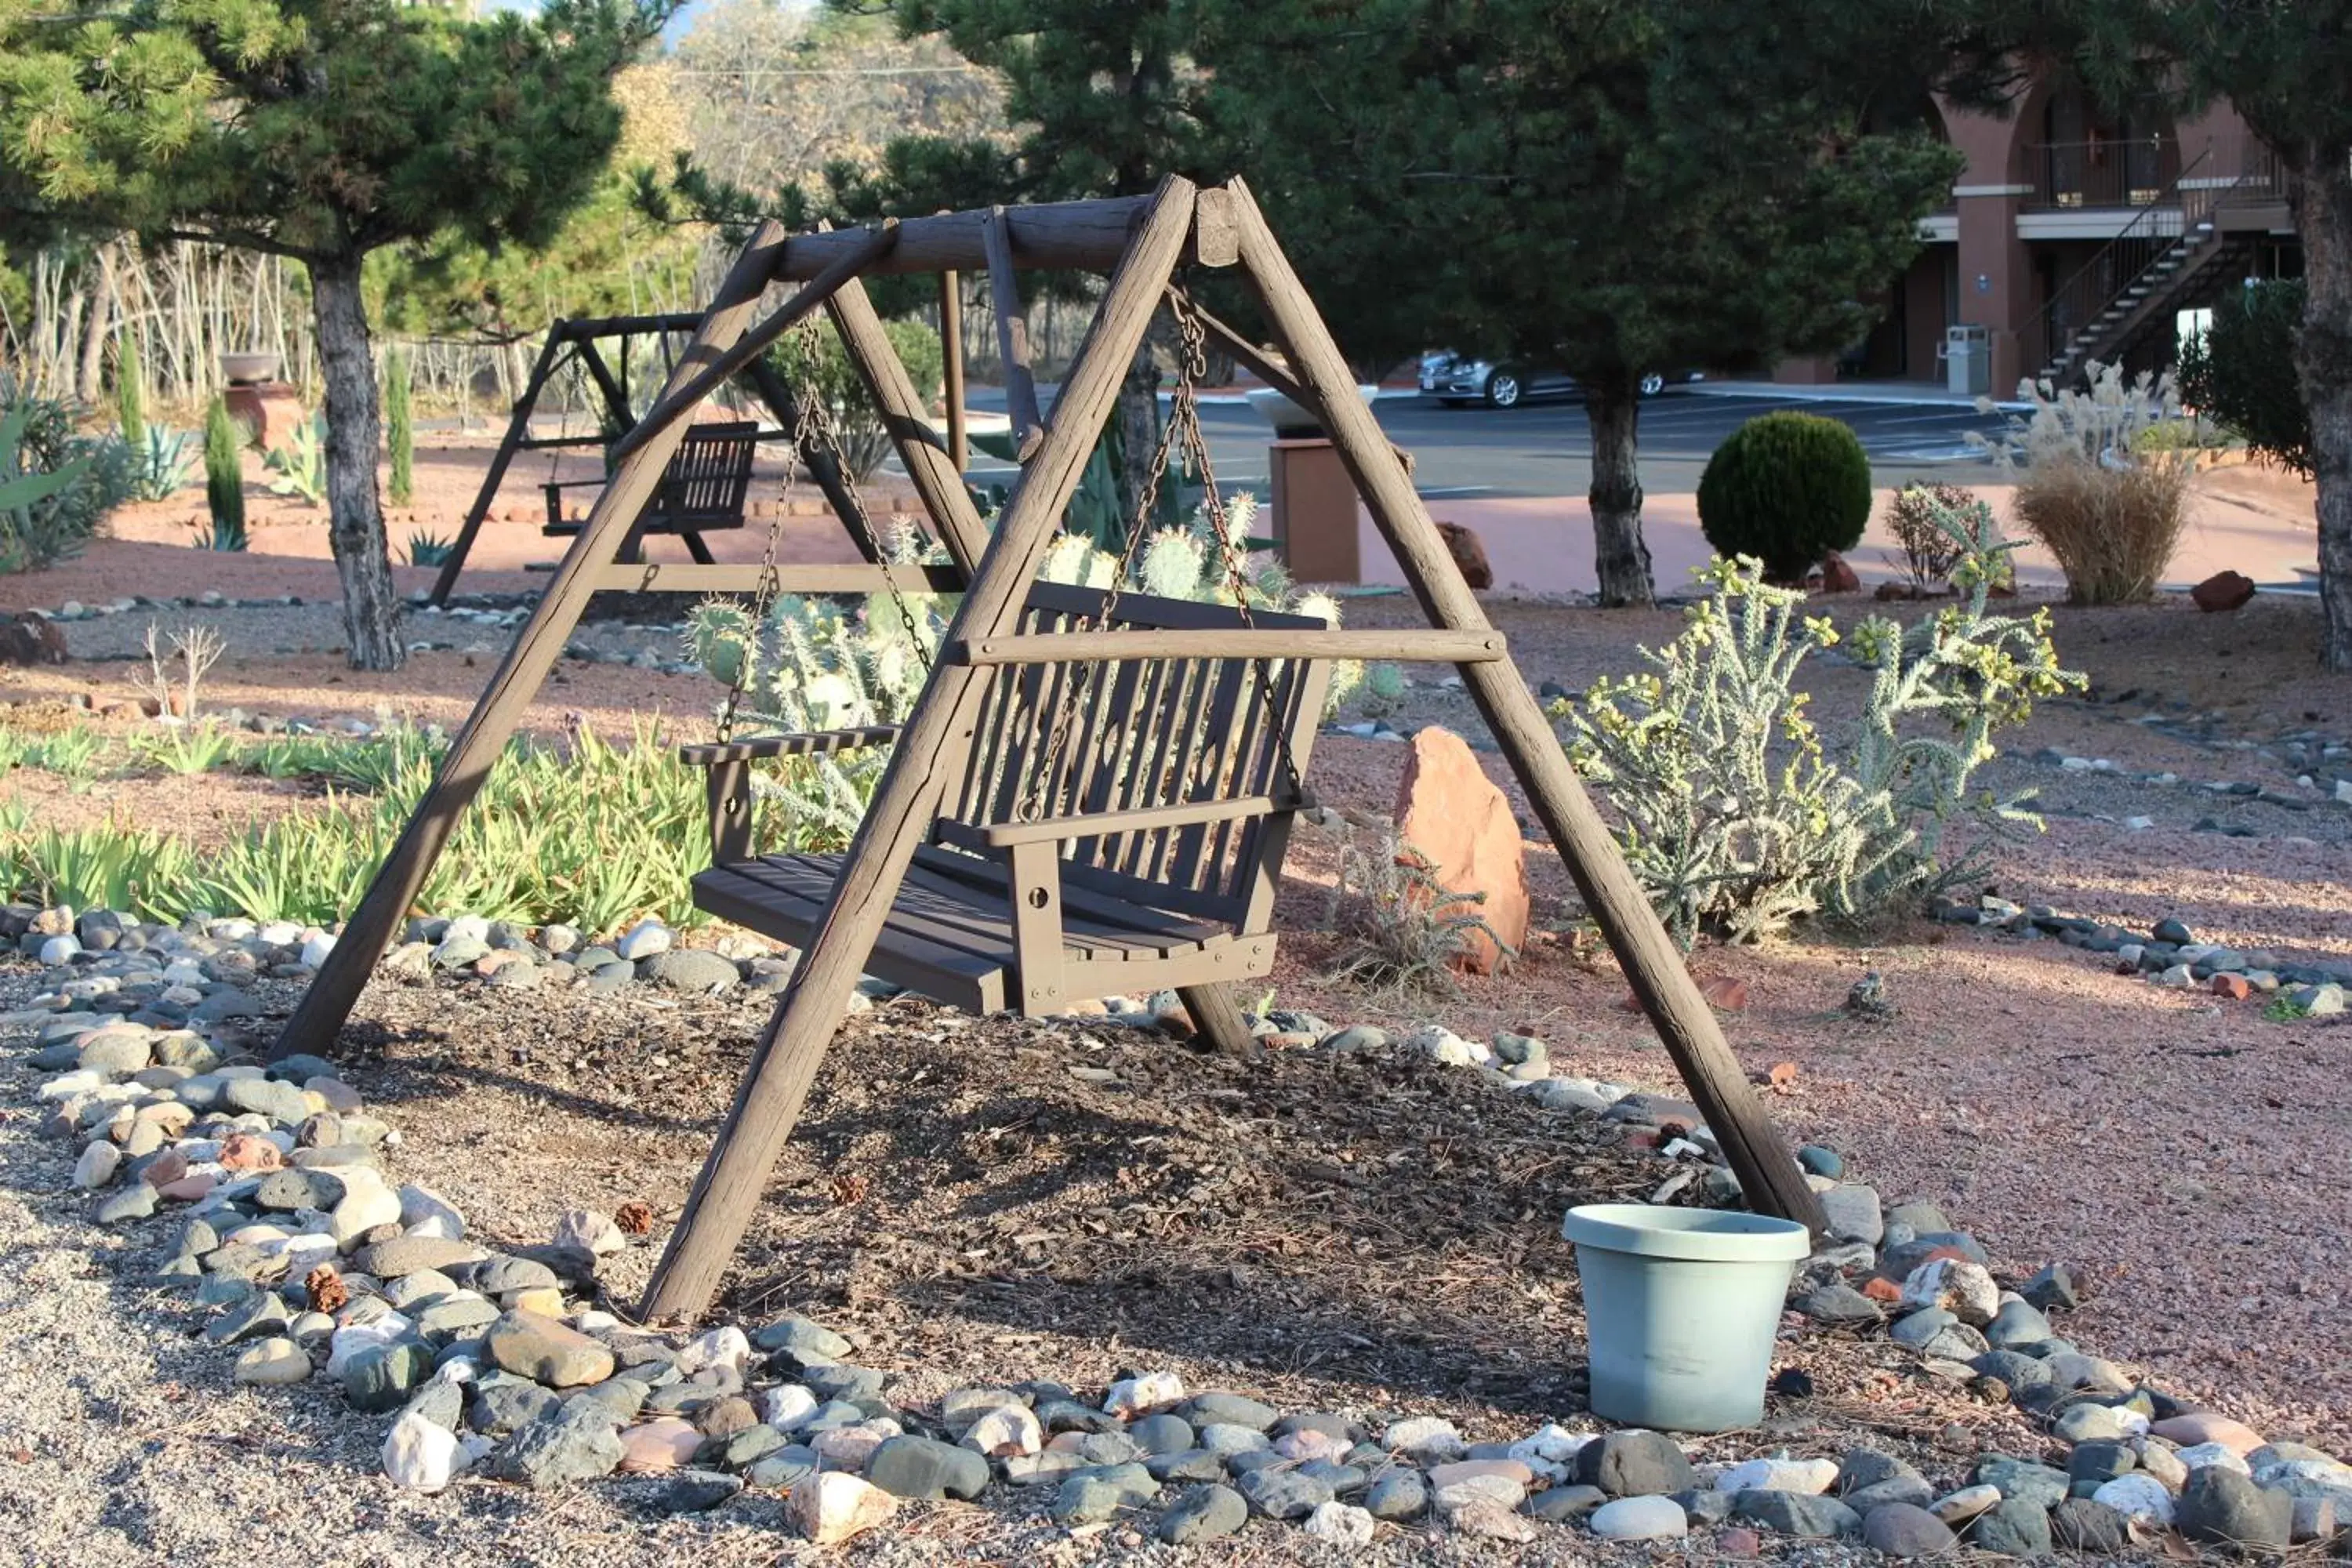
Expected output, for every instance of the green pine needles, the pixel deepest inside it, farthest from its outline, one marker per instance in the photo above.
(399, 430)
(224, 481)
(1736, 815)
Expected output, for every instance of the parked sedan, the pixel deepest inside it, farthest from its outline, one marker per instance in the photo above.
(1454, 379)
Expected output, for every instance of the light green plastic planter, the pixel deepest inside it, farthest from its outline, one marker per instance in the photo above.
(1680, 1306)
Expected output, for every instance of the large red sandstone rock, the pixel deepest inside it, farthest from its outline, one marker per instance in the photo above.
(2223, 590)
(1451, 813)
(1837, 577)
(1469, 555)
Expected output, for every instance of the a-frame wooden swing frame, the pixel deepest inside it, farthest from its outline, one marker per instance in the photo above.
(579, 341)
(1142, 242)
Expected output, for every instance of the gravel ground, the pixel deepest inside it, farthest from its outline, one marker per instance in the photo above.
(2192, 1155)
(131, 1446)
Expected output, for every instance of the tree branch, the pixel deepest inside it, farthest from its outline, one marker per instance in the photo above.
(242, 239)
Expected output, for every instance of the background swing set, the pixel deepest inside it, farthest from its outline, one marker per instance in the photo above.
(996, 835)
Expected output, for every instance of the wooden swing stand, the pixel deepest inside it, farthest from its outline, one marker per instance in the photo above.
(1139, 873)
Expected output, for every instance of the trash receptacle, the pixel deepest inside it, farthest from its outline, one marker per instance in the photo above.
(1968, 360)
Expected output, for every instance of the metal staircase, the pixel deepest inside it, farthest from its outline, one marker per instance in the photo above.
(2173, 254)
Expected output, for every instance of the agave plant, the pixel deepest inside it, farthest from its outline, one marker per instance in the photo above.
(302, 468)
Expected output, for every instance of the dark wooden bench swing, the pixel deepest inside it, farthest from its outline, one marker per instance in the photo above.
(1094, 791)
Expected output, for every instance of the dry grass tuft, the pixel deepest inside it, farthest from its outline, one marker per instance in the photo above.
(2114, 525)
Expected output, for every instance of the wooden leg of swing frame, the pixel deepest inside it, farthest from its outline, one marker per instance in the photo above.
(1217, 1016)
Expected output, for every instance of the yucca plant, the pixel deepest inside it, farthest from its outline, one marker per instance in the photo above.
(1400, 928)
(301, 466)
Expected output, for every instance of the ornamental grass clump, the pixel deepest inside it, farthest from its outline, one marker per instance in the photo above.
(1741, 816)
(2092, 486)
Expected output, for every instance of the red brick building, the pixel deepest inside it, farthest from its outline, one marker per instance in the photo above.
(2073, 233)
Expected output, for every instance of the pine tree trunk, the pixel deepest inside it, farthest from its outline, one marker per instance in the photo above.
(1138, 413)
(1620, 560)
(354, 515)
(2322, 199)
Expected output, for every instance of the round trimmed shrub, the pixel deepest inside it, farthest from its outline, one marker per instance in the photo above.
(1786, 489)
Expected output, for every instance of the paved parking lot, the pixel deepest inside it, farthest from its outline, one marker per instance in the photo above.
(1545, 449)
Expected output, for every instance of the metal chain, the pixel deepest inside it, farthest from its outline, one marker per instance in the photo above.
(814, 431)
(1183, 427)
(1194, 339)
(1082, 688)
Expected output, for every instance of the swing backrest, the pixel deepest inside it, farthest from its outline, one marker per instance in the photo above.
(711, 473)
(1145, 733)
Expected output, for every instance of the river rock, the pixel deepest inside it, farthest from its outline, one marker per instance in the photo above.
(911, 1467)
(2222, 1506)
(1798, 1514)
(420, 1456)
(547, 1352)
(576, 1443)
(1634, 1464)
(830, 1507)
(1640, 1518)
(1203, 1513)
(1903, 1529)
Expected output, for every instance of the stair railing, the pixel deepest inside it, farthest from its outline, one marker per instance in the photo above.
(2077, 305)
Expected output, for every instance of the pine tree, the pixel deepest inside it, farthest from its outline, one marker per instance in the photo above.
(1613, 188)
(2284, 68)
(1110, 99)
(319, 131)
(399, 434)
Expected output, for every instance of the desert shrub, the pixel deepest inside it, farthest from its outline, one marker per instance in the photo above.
(224, 481)
(2241, 371)
(1930, 551)
(1786, 489)
(1740, 817)
(55, 485)
(2111, 512)
(1400, 929)
(813, 360)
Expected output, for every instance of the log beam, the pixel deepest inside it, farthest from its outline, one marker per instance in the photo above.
(1766, 1168)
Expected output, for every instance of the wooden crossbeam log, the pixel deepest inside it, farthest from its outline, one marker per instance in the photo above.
(872, 244)
(1101, 648)
(1012, 339)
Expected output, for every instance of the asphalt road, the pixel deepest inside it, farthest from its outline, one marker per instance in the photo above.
(1546, 449)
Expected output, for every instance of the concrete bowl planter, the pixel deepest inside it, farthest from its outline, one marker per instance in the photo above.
(1680, 1308)
(248, 368)
(1290, 421)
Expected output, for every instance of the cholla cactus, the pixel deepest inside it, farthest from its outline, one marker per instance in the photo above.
(1171, 565)
(1736, 817)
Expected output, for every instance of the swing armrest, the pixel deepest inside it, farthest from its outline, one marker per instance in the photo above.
(1102, 824)
(819, 742)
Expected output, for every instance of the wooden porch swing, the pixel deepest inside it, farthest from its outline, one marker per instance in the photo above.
(1094, 790)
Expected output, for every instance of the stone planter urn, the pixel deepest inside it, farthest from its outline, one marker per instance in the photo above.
(248, 368)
